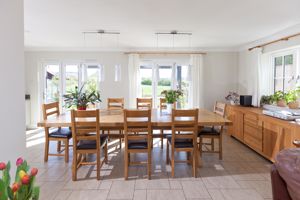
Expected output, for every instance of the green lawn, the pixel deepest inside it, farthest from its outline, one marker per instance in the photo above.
(147, 90)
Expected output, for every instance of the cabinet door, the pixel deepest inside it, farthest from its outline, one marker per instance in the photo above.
(230, 115)
(275, 138)
(239, 126)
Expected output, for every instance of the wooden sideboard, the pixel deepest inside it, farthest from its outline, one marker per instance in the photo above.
(264, 134)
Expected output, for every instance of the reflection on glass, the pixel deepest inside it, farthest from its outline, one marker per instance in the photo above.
(52, 83)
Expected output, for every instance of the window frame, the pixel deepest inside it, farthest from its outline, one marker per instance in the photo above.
(295, 54)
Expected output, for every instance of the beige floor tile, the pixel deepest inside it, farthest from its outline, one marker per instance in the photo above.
(174, 184)
(88, 194)
(140, 195)
(122, 190)
(194, 189)
(220, 182)
(240, 194)
(264, 188)
(165, 195)
(63, 195)
(49, 190)
(105, 184)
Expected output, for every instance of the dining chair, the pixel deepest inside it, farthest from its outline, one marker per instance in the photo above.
(212, 133)
(115, 104)
(138, 137)
(87, 140)
(144, 103)
(60, 134)
(183, 138)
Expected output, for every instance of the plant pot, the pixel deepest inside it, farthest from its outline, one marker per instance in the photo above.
(170, 106)
(294, 105)
(281, 103)
(81, 107)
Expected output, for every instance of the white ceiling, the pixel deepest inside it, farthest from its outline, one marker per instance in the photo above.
(215, 24)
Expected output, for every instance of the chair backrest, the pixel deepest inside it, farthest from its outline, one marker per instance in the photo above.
(85, 125)
(185, 124)
(137, 121)
(115, 103)
(220, 108)
(50, 109)
(144, 103)
(163, 104)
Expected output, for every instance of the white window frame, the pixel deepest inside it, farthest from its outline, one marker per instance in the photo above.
(295, 53)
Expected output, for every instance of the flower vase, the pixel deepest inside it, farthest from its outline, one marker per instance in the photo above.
(81, 107)
(169, 109)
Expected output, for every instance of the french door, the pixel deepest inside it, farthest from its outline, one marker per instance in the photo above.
(61, 78)
(157, 77)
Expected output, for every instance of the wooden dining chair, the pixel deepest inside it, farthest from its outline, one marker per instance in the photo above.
(60, 134)
(144, 103)
(183, 138)
(138, 137)
(212, 133)
(87, 140)
(115, 104)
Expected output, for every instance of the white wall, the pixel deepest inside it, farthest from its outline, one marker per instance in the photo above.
(220, 75)
(12, 101)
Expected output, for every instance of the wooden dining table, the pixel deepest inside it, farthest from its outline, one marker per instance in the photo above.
(114, 119)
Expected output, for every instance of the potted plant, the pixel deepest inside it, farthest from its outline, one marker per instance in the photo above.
(23, 187)
(80, 98)
(279, 98)
(291, 99)
(233, 98)
(171, 96)
(266, 100)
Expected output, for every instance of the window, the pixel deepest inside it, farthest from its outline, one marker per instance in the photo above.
(71, 77)
(285, 72)
(157, 77)
(52, 83)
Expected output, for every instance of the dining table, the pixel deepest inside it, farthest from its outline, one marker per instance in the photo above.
(114, 119)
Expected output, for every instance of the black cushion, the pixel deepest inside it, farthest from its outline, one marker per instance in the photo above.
(61, 133)
(208, 131)
(180, 142)
(91, 144)
(137, 144)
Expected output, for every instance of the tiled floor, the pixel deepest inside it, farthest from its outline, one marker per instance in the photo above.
(241, 175)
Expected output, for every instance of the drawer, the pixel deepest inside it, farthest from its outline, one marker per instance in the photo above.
(251, 119)
(252, 131)
(253, 142)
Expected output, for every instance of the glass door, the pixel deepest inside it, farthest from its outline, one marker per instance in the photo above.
(52, 83)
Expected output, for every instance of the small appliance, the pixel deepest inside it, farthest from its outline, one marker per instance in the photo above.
(246, 100)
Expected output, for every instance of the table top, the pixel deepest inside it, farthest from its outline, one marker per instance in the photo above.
(115, 119)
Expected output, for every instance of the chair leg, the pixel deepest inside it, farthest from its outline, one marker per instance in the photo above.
(200, 144)
(74, 166)
(98, 165)
(149, 168)
(161, 139)
(66, 150)
(173, 162)
(108, 133)
(105, 153)
(167, 154)
(194, 162)
(58, 146)
(120, 139)
(220, 147)
(126, 165)
(212, 144)
(46, 150)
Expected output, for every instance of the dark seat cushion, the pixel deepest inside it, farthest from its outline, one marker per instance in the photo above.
(208, 131)
(61, 133)
(137, 144)
(181, 143)
(91, 144)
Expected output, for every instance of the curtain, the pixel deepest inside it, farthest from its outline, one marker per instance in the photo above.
(134, 78)
(196, 65)
(265, 76)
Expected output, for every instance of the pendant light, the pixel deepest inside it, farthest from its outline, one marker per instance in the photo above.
(118, 65)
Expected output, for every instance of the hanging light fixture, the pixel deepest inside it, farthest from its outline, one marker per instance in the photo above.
(118, 65)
